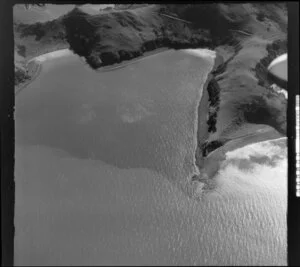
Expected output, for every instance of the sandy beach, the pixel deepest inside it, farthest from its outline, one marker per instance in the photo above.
(51, 55)
(34, 66)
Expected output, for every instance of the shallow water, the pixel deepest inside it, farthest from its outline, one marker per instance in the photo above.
(97, 155)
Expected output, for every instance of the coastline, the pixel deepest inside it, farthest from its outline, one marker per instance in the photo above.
(34, 66)
(34, 72)
(194, 183)
(209, 164)
(213, 161)
(125, 63)
(51, 55)
(37, 61)
(203, 111)
(202, 162)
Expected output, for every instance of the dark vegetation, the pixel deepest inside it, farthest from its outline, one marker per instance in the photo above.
(21, 50)
(268, 109)
(94, 37)
(261, 16)
(274, 49)
(208, 147)
(214, 101)
(20, 75)
(47, 30)
(79, 32)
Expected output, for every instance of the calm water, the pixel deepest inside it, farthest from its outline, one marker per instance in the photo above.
(98, 155)
(141, 116)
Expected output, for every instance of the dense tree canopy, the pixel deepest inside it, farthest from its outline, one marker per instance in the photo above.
(27, 6)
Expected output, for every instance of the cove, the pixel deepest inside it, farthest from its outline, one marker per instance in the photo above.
(140, 116)
(98, 154)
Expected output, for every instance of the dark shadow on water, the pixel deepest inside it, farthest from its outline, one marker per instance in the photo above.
(100, 134)
(249, 164)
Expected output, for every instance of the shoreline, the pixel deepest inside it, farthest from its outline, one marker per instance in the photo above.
(245, 140)
(193, 185)
(51, 55)
(38, 60)
(36, 68)
(133, 60)
(202, 133)
(213, 160)
(202, 110)
(209, 164)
